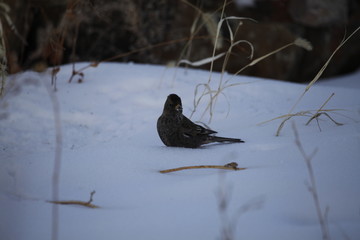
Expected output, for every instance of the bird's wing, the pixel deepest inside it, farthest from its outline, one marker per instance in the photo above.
(191, 129)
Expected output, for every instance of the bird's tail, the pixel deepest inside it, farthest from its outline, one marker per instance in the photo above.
(224, 139)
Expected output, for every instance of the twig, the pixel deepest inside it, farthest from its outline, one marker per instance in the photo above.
(57, 159)
(75, 202)
(229, 215)
(282, 124)
(312, 185)
(229, 166)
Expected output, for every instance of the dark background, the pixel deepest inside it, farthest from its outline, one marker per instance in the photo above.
(53, 32)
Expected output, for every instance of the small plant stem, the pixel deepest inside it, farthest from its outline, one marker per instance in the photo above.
(312, 186)
(216, 41)
(255, 61)
(327, 100)
(57, 160)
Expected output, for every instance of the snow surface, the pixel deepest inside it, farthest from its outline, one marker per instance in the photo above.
(110, 145)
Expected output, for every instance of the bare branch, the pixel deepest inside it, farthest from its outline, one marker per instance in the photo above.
(312, 185)
(229, 166)
(75, 202)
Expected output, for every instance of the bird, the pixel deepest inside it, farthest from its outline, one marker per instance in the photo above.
(176, 130)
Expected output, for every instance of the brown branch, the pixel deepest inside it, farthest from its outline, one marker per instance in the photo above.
(229, 166)
(75, 202)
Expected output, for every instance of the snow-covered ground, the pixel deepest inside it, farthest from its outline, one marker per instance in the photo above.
(110, 145)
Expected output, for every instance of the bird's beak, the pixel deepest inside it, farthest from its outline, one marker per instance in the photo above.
(178, 108)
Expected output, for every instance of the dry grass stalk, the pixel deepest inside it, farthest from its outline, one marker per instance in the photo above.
(299, 42)
(229, 166)
(5, 14)
(317, 115)
(57, 160)
(322, 217)
(321, 112)
(202, 61)
(55, 49)
(80, 203)
(312, 114)
(230, 215)
(213, 94)
(323, 68)
(201, 20)
(68, 27)
(3, 61)
(211, 26)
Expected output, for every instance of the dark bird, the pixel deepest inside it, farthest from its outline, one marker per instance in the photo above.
(176, 130)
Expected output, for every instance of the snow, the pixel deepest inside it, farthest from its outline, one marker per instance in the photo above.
(110, 145)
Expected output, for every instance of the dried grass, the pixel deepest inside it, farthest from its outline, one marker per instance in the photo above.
(204, 89)
(318, 75)
(311, 114)
(320, 111)
(5, 16)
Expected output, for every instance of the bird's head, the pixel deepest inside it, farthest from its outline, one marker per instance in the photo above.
(173, 104)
